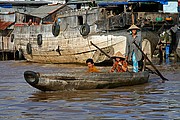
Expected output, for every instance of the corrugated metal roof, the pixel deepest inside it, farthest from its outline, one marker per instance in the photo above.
(45, 10)
(4, 25)
(19, 3)
(7, 10)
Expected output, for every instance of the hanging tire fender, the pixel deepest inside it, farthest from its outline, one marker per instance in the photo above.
(85, 29)
(12, 37)
(39, 39)
(31, 77)
(55, 29)
(20, 54)
(29, 48)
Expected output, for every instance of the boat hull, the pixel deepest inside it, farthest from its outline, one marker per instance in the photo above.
(80, 81)
(69, 49)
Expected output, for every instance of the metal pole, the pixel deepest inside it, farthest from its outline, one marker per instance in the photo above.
(2, 47)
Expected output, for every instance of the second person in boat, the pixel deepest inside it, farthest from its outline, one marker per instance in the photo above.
(120, 64)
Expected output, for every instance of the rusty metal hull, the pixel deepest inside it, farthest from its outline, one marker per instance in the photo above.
(82, 81)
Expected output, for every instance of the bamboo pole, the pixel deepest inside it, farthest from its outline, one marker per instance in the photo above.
(132, 18)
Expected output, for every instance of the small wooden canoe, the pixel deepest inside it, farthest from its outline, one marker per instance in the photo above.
(82, 81)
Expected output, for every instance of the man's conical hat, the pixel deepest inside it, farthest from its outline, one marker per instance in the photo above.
(133, 27)
(118, 55)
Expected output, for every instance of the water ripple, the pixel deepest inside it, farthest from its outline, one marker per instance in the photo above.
(154, 100)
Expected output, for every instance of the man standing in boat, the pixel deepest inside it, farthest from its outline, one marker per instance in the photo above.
(133, 55)
(91, 67)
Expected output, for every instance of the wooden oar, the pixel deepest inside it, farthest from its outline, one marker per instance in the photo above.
(157, 71)
(100, 50)
(103, 52)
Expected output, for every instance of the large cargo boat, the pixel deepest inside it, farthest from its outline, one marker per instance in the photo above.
(68, 39)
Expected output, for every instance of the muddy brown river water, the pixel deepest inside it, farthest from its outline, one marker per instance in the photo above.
(20, 101)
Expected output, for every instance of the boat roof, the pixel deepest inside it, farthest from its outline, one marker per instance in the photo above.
(45, 10)
(78, 2)
(4, 25)
(118, 3)
(6, 5)
(160, 1)
(105, 4)
(7, 10)
(19, 3)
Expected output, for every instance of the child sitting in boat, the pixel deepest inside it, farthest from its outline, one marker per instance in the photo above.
(91, 67)
(120, 65)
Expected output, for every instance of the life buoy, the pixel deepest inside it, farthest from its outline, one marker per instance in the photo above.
(39, 39)
(29, 48)
(122, 21)
(12, 37)
(85, 29)
(31, 77)
(55, 29)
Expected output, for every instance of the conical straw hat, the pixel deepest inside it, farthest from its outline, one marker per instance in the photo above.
(133, 27)
(118, 55)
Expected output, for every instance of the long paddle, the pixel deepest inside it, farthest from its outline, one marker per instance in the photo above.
(100, 49)
(157, 71)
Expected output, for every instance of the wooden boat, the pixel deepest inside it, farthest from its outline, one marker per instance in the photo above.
(84, 81)
(68, 41)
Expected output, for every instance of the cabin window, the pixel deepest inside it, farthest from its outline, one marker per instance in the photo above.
(79, 6)
(80, 20)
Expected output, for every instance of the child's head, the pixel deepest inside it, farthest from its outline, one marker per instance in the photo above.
(90, 62)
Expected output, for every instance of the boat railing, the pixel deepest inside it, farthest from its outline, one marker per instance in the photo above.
(78, 12)
(33, 29)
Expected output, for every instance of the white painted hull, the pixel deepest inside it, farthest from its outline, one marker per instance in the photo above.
(79, 50)
(73, 48)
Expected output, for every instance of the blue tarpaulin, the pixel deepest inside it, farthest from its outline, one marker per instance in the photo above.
(171, 7)
(6, 5)
(104, 4)
(164, 2)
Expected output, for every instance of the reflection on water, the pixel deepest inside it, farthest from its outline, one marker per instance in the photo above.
(154, 100)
